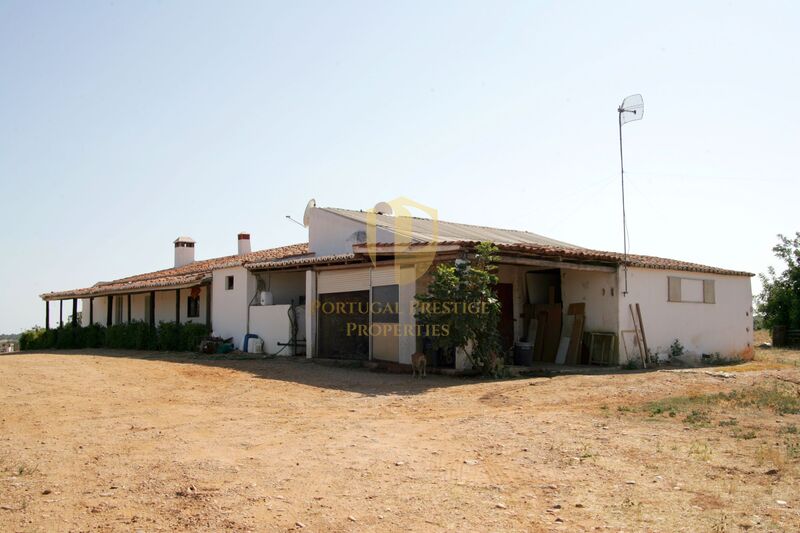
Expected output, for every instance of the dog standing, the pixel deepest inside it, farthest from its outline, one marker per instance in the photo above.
(419, 364)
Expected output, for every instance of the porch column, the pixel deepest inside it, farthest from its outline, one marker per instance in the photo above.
(129, 308)
(311, 315)
(152, 309)
(177, 306)
(47, 314)
(61, 313)
(91, 310)
(74, 312)
(109, 306)
(208, 309)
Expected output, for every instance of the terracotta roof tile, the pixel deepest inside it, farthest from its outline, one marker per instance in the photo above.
(305, 260)
(193, 273)
(580, 255)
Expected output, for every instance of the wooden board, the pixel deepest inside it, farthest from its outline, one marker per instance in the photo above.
(548, 333)
(575, 340)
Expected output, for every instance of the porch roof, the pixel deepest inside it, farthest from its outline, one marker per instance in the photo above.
(308, 260)
(196, 273)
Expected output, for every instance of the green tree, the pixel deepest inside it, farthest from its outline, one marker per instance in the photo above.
(462, 304)
(779, 301)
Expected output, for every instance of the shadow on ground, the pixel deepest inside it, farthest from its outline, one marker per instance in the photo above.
(345, 376)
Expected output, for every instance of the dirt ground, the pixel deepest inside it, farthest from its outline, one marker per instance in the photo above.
(126, 441)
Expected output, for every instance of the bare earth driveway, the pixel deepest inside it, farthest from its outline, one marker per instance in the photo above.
(129, 441)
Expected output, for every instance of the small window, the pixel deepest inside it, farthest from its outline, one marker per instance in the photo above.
(193, 307)
(228, 283)
(690, 290)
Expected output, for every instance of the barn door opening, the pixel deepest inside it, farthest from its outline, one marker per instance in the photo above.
(344, 325)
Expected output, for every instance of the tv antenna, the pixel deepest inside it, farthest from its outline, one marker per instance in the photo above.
(289, 217)
(631, 108)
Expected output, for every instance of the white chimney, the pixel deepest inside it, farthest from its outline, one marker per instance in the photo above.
(184, 251)
(244, 243)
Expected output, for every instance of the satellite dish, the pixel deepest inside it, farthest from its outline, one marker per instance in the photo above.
(307, 213)
(632, 108)
(383, 208)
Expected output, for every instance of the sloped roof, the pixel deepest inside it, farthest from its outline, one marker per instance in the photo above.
(634, 260)
(305, 260)
(585, 255)
(191, 274)
(429, 230)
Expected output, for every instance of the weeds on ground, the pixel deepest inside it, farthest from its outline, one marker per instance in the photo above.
(779, 397)
(722, 524)
(768, 454)
(743, 434)
(792, 448)
(631, 365)
(700, 450)
(697, 418)
(20, 469)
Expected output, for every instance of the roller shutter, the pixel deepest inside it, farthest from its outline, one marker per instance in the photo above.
(331, 281)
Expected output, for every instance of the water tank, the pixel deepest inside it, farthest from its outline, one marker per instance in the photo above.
(265, 298)
(255, 345)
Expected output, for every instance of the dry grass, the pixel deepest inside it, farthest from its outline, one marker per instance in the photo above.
(141, 442)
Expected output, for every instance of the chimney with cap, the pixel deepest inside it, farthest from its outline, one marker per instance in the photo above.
(244, 243)
(184, 251)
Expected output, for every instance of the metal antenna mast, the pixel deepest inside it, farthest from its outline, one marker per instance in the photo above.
(631, 108)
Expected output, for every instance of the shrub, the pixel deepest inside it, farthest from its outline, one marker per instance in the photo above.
(466, 284)
(779, 301)
(137, 335)
(676, 349)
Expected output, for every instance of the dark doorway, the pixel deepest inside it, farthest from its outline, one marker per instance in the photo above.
(505, 293)
(343, 323)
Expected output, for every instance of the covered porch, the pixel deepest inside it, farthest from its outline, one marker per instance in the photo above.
(180, 302)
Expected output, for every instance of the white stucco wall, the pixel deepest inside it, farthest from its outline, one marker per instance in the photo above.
(272, 324)
(229, 307)
(329, 233)
(99, 311)
(598, 290)
(165, 307)
(84, 305)
(725, 326)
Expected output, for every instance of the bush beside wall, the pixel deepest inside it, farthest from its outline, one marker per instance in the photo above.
(137, 335)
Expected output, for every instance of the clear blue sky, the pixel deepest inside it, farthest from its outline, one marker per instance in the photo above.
(126, 124)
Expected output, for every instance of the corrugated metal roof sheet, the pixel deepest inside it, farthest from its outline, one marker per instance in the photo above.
(428, 230)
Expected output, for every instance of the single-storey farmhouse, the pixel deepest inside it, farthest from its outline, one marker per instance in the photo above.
(560, 302)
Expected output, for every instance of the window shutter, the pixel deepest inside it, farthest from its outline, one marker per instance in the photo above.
(708, 291)
(347, 280)
(674, 289)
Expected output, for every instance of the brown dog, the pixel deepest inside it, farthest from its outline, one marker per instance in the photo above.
(419, 364)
